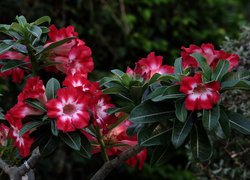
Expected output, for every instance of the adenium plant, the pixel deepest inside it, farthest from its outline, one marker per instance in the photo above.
(151, 106)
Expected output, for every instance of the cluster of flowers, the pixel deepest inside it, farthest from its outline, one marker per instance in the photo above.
(81, 103)
(77, 105)
(201, 95)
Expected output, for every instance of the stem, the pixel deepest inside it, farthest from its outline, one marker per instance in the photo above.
(102, 144)
(33, 61)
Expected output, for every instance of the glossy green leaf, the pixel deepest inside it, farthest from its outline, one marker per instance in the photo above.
(203, 65)
(49, 147)
(239, 122)
(210, 118)
(178, 67)
(200, 144)
(11, 64)
(134, 129)
(235, 84)
(181, 131)
(147, 137)
(156, 92)
(161, 155)
(51, 88)
(35, 31)
(35, 104)
(31, 125)
(180, 110)
(42, 20)
(171, 92)
(56, 44)
(149, 112)
(220, 70)
(85, 150)
(54, 129)
(118, 73)
(239, 75)
(6, 46)
(72, 139)
(223, 129)
(21, 20)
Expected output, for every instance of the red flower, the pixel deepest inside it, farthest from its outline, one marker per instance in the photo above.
(99, 109)
(73, 56)
(22, 143)
(138, 159)
(4, 130)
(16, 73)
(210, 54)
(77, 80)
(199, 95)
(147, 67)
(70, 109)
(33, 88)
(117, 141)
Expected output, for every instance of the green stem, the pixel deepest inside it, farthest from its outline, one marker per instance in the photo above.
(102, 144)
(33, 61)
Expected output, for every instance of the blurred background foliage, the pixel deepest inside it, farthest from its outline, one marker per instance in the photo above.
(120, 32)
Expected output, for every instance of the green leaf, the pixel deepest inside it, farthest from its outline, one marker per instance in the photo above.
(167, 77)
(35, 104)
(85, 150)
(113, 90)
(54, 129)
(180, 110)
(149, 112)
(115, 110)
(203, 65)
(51, 88)
(147, 137)
(134, 129)
(21, 20)
(35, 31)
(178, 67)
(223, 129)
(118, 73)
(156, 92)
(56, 44)
(6, 46)
(181, 131)
(42, 20)
(161, 155)
(17, 28)
(220, 70)
(49, 147)
(239, 122)
(106, 80)
(31, 125)
(11, 64)
(239, 75)
(171, 92)
(200, 144)
(72, 139)
(210, 118)
(235, 84)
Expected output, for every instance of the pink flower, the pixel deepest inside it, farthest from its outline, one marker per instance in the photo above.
(199, 95)
(4, 130)
(70, 109)
(147, 67)
(73, 56)
(22, 143)
(16, 73)
(117, 141)
(34, 89)
(77, 80)
(99, 109)
(211, 55)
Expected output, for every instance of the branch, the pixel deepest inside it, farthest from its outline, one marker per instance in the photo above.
(110, 165)
(16, 173)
